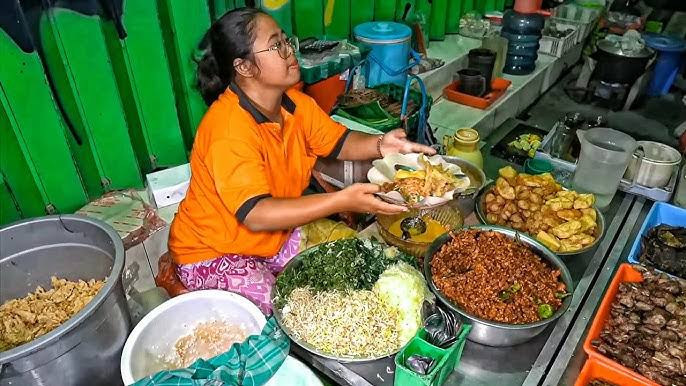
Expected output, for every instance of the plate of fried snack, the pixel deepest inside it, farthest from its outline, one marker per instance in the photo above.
(563, 220)
(417, 181)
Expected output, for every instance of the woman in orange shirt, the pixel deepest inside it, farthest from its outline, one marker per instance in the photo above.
(252, 159)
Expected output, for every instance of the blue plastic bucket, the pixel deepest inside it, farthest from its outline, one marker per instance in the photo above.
(669, 60)
(389, 56)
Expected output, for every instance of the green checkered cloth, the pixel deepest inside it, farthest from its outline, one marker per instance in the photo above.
(251, 363)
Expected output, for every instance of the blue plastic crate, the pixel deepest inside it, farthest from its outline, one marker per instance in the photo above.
(660, 213)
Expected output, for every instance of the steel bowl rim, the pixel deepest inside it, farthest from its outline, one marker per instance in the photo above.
(544, 253)
(279, 318)
(111, 281)
(600, 221)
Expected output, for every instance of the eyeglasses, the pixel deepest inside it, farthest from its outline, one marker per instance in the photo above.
(285, 48)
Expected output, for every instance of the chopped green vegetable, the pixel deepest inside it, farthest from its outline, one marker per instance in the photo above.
(545, 311)
(562, 295)
(350, 264)
(506, 295)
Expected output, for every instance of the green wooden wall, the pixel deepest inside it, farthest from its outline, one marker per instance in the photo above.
(93, 97)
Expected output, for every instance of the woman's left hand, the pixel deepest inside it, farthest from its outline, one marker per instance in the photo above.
(396, 142)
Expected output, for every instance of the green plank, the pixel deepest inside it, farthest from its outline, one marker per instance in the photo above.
(337, 19)
(361, 11)
(184, 23)
(309, 18)
(78, 61)
(34, 122)
(219, 7)
(9, 209)
(453, 15)
(281, 11)
(142, 73)
(384, 10)
(439, 10)
(20, 175)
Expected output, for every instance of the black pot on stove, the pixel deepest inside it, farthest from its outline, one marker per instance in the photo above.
(616, 65)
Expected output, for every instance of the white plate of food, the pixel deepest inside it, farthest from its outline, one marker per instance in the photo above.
(417, 181)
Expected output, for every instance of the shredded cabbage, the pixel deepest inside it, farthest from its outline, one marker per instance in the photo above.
(404, 288)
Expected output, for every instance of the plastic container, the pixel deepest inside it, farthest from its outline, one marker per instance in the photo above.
(498, 88)
(446, 360)
(523, 32)
(605, 155)
(557, 47)
(483, 59)
(537, 166)
(626, 273)
(595, 369)
(390, 52)
(498, 44)
(660, 213)
(326, 92)
(347, 56)
(669, 59)
(527, 6)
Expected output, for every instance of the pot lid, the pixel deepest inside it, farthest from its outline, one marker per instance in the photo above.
(615, 48)
(467, 135)
(665, 42)
(381, 32)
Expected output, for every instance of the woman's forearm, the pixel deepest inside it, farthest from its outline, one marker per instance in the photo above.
(360, 147)
(272, 214)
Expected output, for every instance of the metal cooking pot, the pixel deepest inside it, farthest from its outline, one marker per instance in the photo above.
(618, 66)
(86, 349)
(498, 334)
(656, 167)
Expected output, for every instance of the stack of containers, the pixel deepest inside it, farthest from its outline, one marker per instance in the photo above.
(522, 27)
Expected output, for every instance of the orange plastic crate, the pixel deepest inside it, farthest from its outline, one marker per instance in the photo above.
(595, 369)
(626, 273)
(498, 88)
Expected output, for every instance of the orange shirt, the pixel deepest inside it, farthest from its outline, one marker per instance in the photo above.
(240, 157)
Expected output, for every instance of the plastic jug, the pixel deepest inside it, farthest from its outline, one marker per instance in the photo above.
(389, 59)
(605, 155)
(465, 144)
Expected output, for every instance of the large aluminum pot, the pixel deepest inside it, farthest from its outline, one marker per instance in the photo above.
(497, 334)
(85, 350)
(657, 166)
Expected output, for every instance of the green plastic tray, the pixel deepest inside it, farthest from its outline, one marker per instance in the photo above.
(377, 121)
(447, 360)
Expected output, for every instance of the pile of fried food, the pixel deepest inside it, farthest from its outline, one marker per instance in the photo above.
(563, 220)
(646, 328)
(432, 181)
(23, 320)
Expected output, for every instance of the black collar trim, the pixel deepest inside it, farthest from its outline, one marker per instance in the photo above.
(248, 106)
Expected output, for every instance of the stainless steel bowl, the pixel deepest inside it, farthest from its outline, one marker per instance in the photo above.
(295, 263)
(657, 166)
(497, 334)
(600, 220)
(465, 200)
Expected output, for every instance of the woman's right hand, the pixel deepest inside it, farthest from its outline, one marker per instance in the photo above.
(360, 198)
